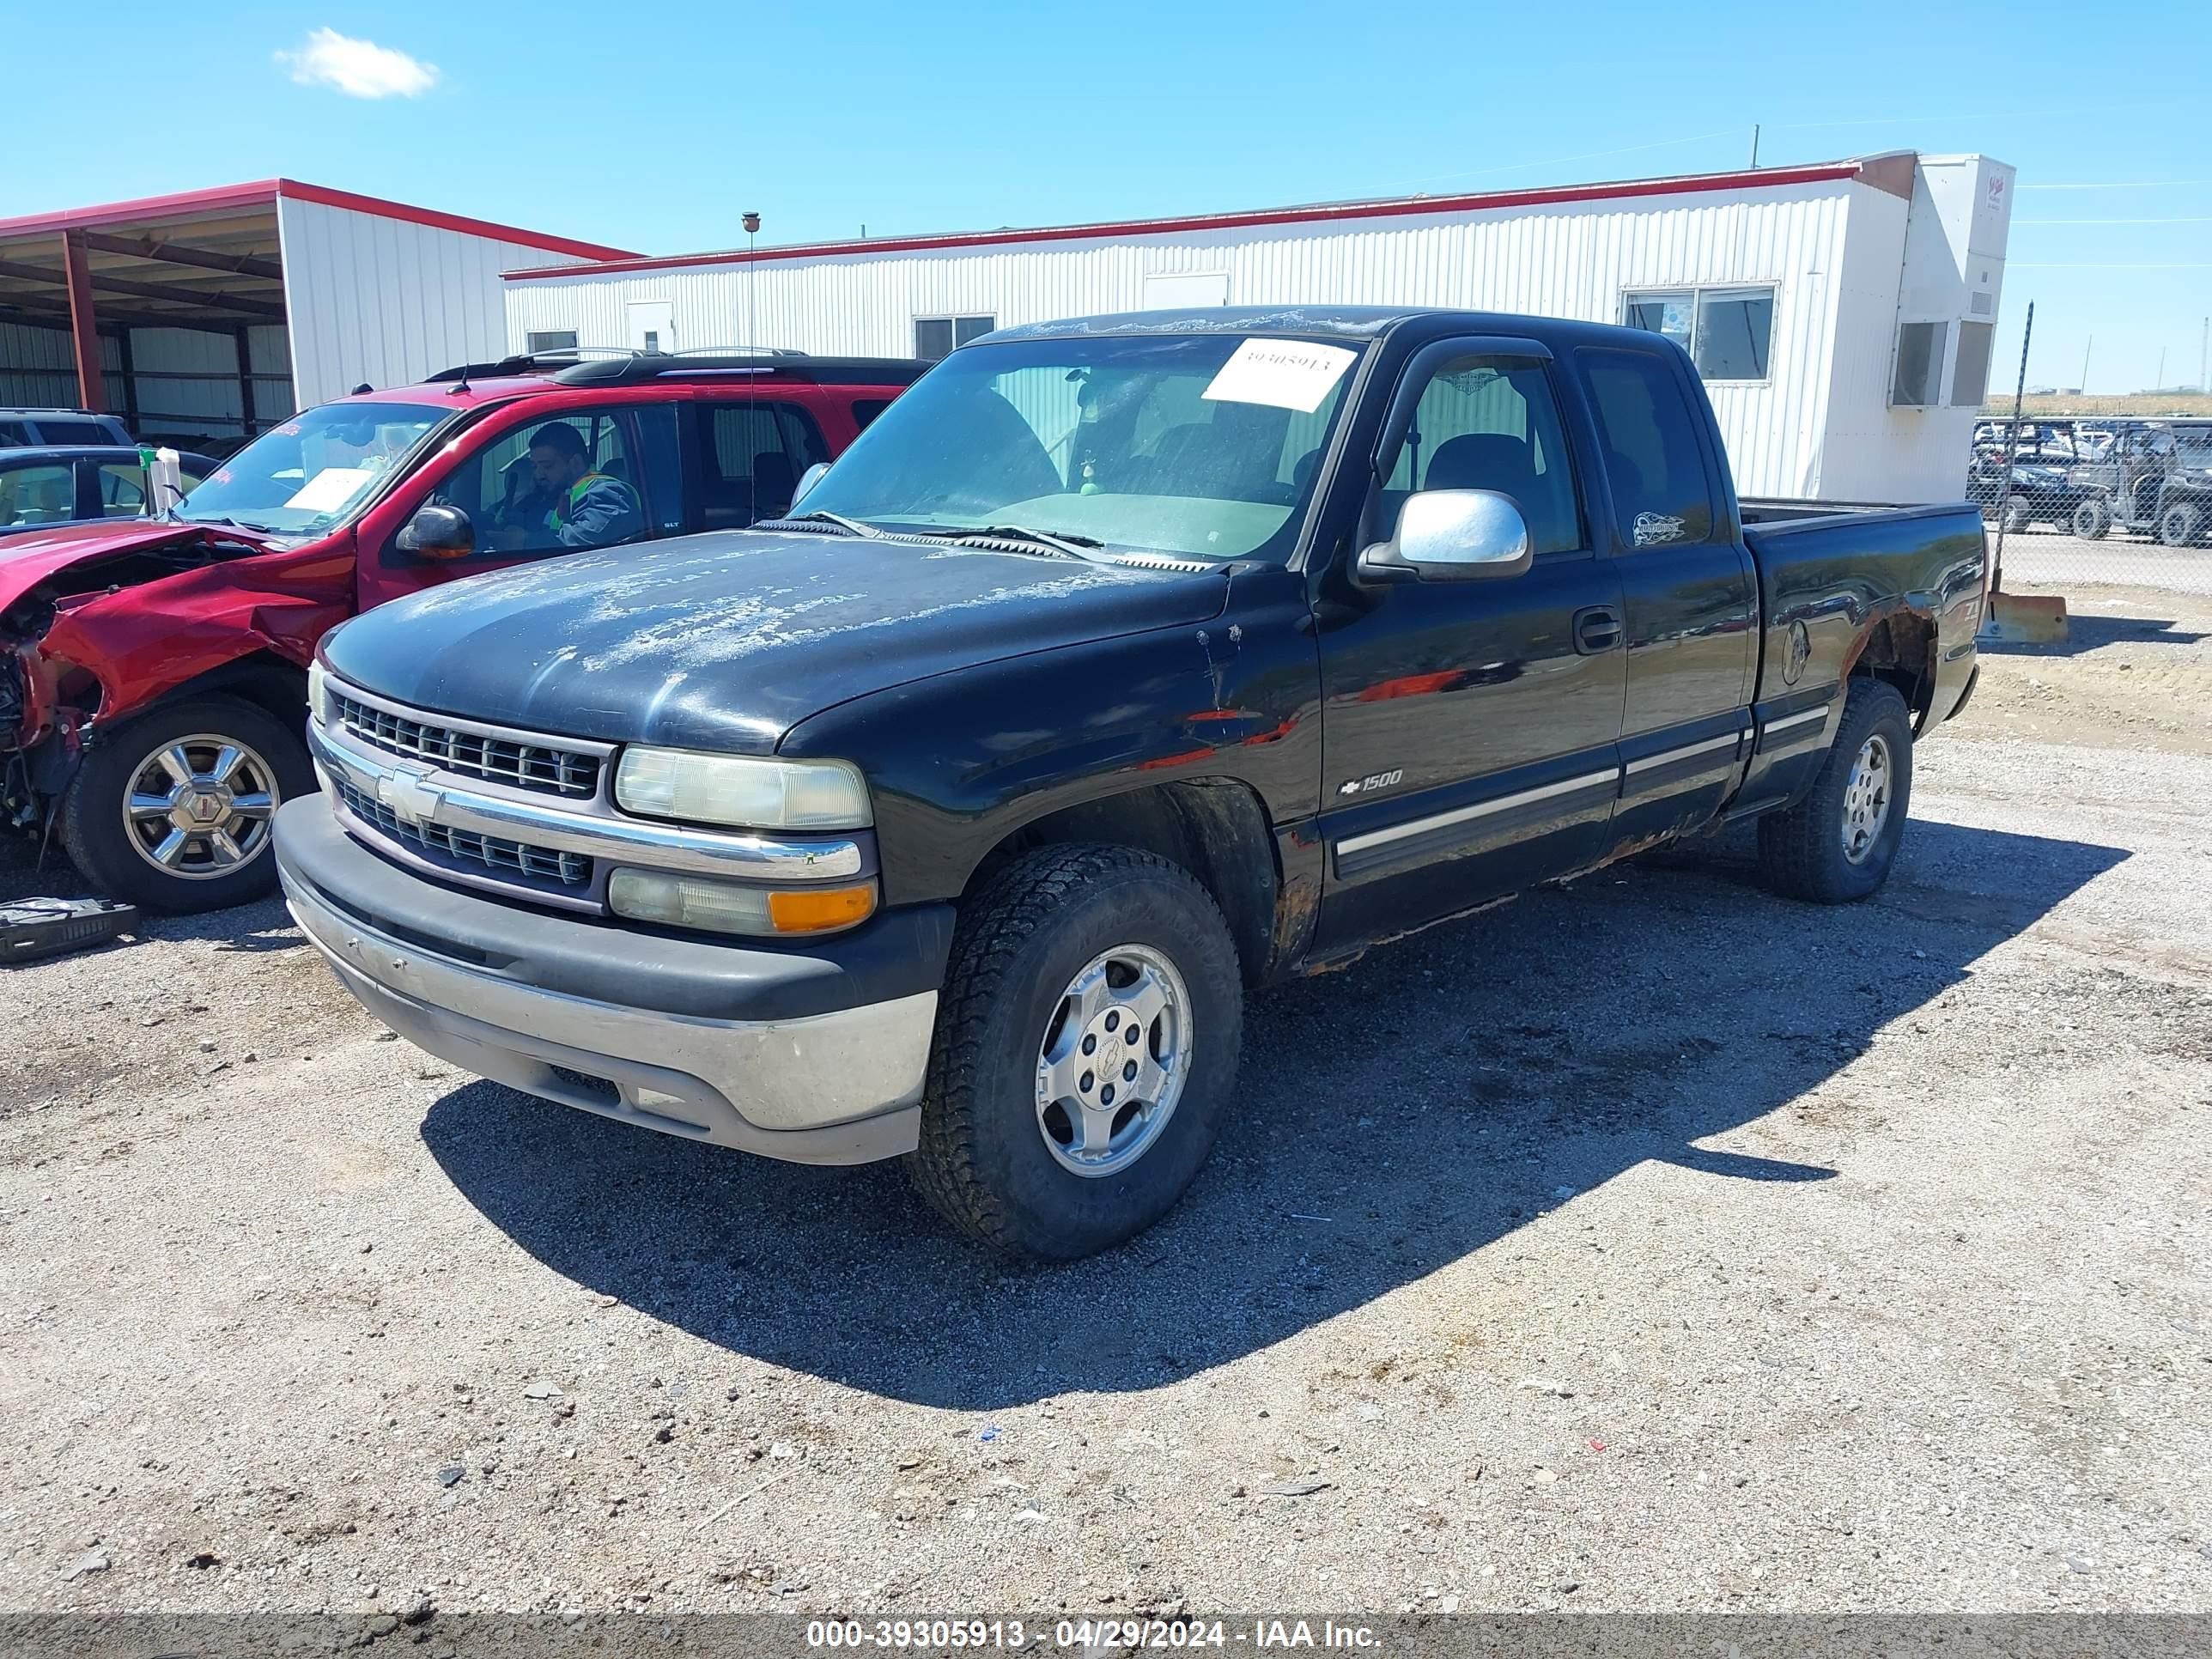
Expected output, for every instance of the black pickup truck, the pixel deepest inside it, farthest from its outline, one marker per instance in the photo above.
(1121, 666)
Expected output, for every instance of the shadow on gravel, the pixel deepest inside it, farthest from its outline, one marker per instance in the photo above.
(1392, 1118)
(2085, 633)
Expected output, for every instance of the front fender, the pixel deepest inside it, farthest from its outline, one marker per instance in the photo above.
(958, 761)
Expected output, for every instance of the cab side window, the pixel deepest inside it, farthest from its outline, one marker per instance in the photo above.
(517, 510)
(1659, 494)
(42, 494)
(1490, 423)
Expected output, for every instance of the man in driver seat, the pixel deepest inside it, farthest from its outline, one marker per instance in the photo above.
(589, 509)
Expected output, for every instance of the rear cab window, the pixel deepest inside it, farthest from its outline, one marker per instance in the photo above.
(1654, 464)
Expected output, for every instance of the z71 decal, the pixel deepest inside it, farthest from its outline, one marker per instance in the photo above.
(1378, 781)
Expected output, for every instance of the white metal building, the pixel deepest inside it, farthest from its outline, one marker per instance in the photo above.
(215, 313)
(1843, 314)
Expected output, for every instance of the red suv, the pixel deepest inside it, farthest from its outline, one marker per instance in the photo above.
(153, 672)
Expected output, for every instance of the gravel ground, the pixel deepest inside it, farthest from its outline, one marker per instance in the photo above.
(1652, 1244)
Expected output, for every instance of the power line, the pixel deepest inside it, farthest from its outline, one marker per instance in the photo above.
(2130, 184)
(1557, 161)
(2201, 220)
(2021, 265)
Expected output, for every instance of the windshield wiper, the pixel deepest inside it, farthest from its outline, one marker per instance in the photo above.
(850, 527)
(1075, 547)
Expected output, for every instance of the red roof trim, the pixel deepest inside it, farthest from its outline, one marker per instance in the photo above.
(233, 199)
(1395, 208)
(325, 196)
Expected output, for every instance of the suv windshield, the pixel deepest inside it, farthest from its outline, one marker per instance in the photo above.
(1202, 446)
(302, 477)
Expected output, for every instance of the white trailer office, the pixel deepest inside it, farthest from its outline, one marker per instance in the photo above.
(1843, 313)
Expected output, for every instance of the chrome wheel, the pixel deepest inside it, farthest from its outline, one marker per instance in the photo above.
(1866, 798)
(1116, 1053)
(198, 807)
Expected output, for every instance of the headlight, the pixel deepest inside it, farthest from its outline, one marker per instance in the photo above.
(723, 907)
(743, 790)
(316, 702)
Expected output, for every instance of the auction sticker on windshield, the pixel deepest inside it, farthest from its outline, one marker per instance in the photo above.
(1281, 373)
(330, 489)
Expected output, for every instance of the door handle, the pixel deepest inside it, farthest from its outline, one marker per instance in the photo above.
(1597, 629)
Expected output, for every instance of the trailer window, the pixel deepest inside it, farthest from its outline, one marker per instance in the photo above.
(1728, 332)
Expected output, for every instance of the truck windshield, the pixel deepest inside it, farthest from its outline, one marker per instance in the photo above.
(1202, 446)
(302, 477)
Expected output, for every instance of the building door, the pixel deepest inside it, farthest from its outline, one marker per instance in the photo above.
(651, 325)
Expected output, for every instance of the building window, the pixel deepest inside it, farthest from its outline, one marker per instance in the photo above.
(1728, 332)
(555, 339)
(1970, 375)
(1917, 381)
(936, 336)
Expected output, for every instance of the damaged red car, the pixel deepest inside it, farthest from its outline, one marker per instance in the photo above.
(153, 672)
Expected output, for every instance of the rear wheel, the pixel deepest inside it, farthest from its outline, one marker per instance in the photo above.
(2181, 525)
(1086, 1046)
(2015, 515)
(1837, 845)
(172, 810)
(2090, 521)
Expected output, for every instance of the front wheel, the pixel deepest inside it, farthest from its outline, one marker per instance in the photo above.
(2016, 516)
(1837, 845)
(1086, 1046)
(172, 810)
(2090, 521)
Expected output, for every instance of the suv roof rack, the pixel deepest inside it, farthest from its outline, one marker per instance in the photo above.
(527, 362)
(760, 363)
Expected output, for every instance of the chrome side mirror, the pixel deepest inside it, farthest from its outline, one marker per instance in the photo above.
(1452, 535)
(807, 480)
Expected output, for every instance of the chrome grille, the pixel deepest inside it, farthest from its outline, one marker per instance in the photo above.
(544, 766)
(465, 850)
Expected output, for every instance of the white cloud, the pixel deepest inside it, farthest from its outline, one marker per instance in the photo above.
(359, 68)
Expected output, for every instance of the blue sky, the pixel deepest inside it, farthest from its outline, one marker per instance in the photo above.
(654, 127)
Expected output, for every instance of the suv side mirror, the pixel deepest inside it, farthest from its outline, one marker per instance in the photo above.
(1452, 535)
(437, 532)
(807, 480)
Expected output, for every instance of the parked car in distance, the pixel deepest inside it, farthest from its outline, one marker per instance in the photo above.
(2043, 458)
(153, 673)
(27, 429)
(1123, 664)
(54, 486)
(2154, 479)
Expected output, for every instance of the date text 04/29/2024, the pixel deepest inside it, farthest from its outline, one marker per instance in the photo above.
(1090, 1634)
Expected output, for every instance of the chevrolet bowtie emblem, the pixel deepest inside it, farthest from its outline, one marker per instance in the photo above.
(409, 794)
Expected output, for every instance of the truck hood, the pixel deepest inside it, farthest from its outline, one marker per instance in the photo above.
(32, 557)
(726, 641)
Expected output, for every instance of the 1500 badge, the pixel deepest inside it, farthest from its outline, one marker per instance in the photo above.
(1377, 780)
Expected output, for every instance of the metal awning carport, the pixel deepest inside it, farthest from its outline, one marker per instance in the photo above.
(216, 261)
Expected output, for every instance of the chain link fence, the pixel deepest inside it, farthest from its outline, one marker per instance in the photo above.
(2098, 499)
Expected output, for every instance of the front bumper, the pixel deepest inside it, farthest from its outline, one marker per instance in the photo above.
(815, 1057)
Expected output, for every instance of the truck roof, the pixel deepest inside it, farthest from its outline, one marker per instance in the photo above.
(1345, 322)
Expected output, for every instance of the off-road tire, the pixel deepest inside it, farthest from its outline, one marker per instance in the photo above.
(91, 821)
(2181, 525)
(2090, 520)
(982, 1162)
(2018, 514)
(1800, 851)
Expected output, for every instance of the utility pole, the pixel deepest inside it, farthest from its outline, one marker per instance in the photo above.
(2085, 363)
(1754, 146)
(2012, 453)
(2160, 384)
